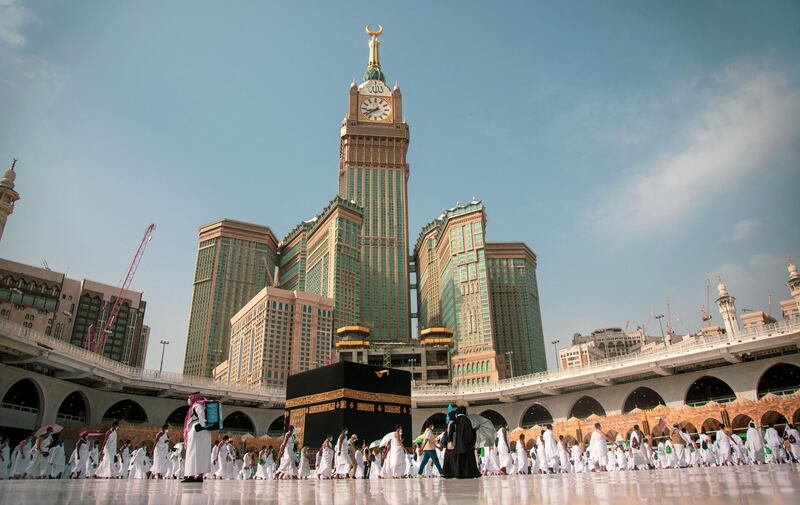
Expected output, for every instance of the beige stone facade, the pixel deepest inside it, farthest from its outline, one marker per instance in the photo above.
(234, 261)
(276, 334)
(56, 305)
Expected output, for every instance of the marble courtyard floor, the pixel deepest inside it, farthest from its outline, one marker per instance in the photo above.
(690, 486)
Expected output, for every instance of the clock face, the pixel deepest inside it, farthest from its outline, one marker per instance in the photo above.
(375, 108)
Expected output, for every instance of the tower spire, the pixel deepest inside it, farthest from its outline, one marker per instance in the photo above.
(374, 71)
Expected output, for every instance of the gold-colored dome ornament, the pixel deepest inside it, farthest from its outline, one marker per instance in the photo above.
(374, 34)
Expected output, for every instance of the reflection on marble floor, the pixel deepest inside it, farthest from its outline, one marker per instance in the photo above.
(740, 485)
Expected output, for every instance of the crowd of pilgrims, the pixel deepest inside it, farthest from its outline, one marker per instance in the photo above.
(453, 453)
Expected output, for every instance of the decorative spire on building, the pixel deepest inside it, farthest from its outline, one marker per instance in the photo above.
(794, 281)
(727, 309)
(374, 71)
(8, 195)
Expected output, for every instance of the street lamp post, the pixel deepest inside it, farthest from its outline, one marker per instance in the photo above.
(411, 363)
(163, 347)
(555, 351)
(510, 362)
(660, 317)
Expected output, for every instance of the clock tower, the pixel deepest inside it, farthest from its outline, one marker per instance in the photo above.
(373, 172)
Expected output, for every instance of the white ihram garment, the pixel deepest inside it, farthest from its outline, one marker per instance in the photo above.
(198, 445)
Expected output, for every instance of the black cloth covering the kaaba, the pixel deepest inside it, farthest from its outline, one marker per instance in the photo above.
(368, 425)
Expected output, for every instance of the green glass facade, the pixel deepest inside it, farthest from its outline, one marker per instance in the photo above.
(323, 256)
(230, 270)
(486, 292)
(516, 312)
(126, 330)
(382, 193)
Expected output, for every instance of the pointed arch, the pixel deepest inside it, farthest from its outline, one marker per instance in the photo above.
(642, 398)
(277, 427)
(740, 422)
(126, 411)
(536, 414)
(178, 416)
(439, 421)
(774, 418)
(24, 395)
(585, 406)
(711, 425)
(708, 388)
(780, 379)
(240, 422)
(690, 428)
(495, 417)
(74, 409)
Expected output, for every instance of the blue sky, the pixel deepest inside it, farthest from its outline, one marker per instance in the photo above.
(637, 147)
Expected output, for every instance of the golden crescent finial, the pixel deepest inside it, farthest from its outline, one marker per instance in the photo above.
(374, 34)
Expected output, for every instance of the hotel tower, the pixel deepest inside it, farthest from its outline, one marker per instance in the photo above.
(373, 172)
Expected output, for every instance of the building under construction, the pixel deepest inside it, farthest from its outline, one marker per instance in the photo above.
(68, 309)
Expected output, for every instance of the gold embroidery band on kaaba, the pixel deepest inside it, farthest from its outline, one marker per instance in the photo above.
(350, 394)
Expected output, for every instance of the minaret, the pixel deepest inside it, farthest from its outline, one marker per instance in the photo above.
(7, 195)
(794, 282)
(727, 308)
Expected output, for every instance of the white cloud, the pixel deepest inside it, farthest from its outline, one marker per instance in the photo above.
(743, 229)
(751, 118)
(751, 280)
(13, 18)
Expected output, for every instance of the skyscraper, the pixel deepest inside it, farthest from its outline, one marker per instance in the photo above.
(453, 244)
(323, 256)
(373, 172)
(235, 260)
(515, 306)
(485, 293)
(279, 333)
(58, 306)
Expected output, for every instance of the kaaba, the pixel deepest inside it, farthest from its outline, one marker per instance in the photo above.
(370, 400)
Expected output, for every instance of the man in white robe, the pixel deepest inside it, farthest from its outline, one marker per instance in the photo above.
(739, 452)
(342, 460)
(504, 451)
(563, 456)
(793, 437)
(37, 464)
(287, 468)
(161, 465)
(636, 443)
(137, 468)
(678, 447)
(723, 441)
(125, 459)
(775, 444)
(214, 460)
(522, 456)
(598, 448)
(197, 440)
(551, 449)
(754, 444)
(225, 460)
(56, 461)
(108, 465)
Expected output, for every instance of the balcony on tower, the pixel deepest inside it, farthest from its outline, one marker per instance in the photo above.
(352, 336)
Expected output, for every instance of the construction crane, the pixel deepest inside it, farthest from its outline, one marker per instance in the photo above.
(97, 342)
(704, 310)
